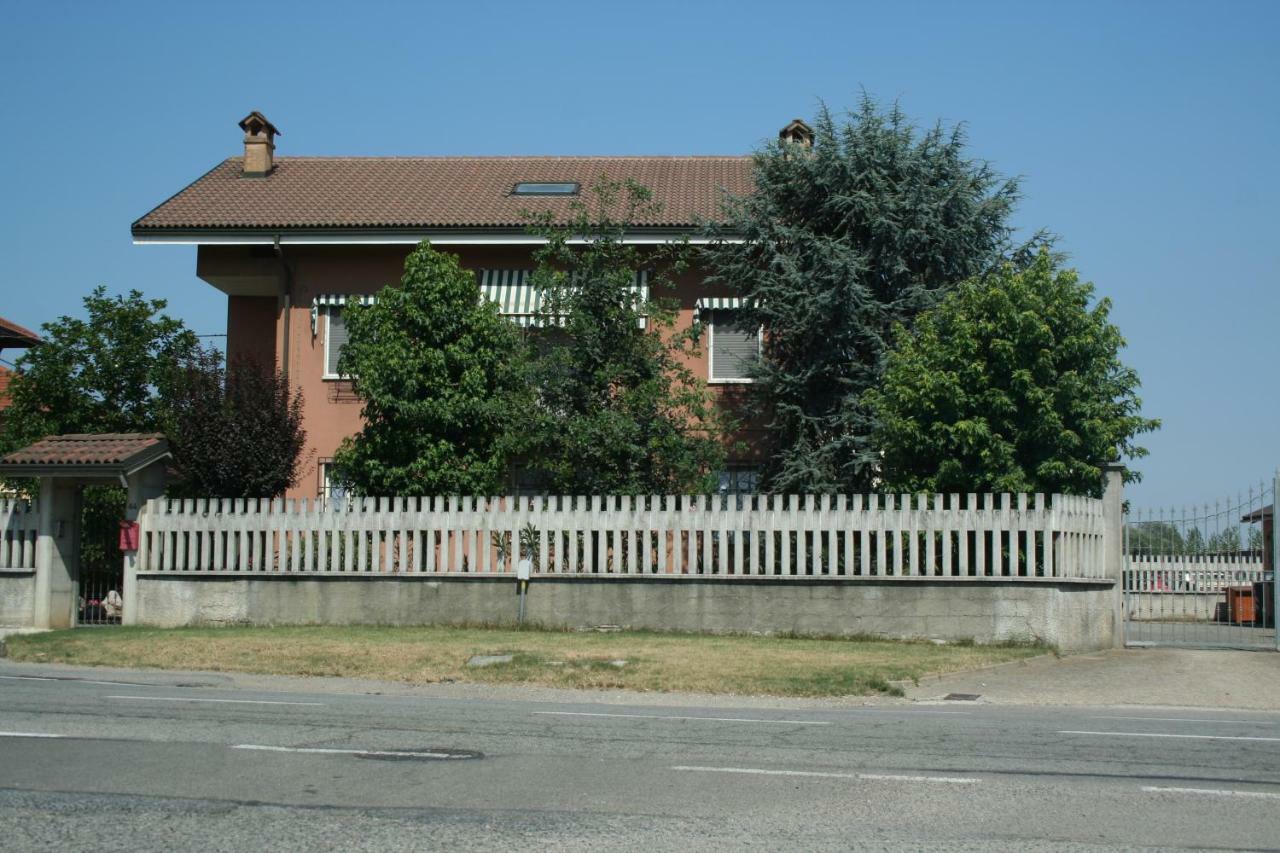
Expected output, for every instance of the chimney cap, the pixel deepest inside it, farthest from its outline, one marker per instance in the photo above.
(797, 131)
(255, 123)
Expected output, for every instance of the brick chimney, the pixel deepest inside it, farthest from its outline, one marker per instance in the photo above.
(798, 133)
(259, 145)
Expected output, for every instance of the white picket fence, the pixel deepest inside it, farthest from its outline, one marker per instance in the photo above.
(18, 520)
(1188, 573)
(987, 536)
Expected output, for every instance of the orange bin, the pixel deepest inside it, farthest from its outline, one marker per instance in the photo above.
(1240, 604)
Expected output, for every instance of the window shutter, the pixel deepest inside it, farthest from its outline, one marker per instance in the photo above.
(336, 341)
(733, 351)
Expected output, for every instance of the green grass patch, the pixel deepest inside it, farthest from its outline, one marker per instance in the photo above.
(634, 660)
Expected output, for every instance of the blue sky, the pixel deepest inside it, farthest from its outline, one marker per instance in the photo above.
(1146, 134)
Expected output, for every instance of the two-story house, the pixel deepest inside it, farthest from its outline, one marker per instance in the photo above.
(290, 239)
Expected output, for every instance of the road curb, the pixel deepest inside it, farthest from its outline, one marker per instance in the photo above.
(907, 684)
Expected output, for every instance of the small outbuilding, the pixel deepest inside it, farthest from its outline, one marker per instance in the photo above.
(48, 575)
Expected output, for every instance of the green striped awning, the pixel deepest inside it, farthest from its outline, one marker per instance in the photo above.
(718, 303)
(511, 289)
(518, 299)
(343, 298)
(334, 300)
(515, 296)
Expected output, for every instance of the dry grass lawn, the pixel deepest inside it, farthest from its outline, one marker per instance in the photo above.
(776, 666)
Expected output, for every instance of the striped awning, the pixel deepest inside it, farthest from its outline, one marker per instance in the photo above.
(519, 300)
(511, 289)
(718, 303)
(343, 298)
(331, 300)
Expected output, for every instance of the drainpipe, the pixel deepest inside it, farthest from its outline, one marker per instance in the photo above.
(286, 292)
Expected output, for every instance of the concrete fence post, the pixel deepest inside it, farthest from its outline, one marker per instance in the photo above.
(142, 486)
(1274, 604)
(1113, 544)
(57, 554)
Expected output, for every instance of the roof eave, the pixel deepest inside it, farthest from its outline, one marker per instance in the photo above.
(389, 236)
(97, 470)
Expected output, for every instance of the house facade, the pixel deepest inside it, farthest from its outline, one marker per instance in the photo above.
(290, 239)
(12, 336)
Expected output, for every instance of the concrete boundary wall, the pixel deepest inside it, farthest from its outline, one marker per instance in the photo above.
(17, 597)
(1072, 614)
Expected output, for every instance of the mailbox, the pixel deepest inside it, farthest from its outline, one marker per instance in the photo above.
(128, 535)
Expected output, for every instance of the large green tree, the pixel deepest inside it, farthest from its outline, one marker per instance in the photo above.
(109, 372)
(837, 244)
(618, 411)
(1013, 383)
(437, 371)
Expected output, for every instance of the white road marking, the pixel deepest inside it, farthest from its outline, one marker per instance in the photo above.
(915, 712)
(1186, 720)
(28, 734)
(1212, 792)
(74, 680)
(220, 701)
(1166, 734)
(322, 751)
(866, 777)
(673, 717)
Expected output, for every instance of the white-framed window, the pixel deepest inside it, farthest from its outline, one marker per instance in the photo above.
(332, 489)
(335, 338)
(733, 352)
(739, 480)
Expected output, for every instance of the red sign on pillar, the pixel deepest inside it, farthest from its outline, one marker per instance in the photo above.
(128, 536)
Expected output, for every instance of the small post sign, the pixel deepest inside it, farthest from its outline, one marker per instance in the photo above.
(524, 569)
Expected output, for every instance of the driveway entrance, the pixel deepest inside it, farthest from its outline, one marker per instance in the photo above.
(1202, 577)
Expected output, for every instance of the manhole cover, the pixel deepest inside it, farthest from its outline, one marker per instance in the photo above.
(962, 697)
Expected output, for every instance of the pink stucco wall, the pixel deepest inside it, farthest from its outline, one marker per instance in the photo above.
(331, 409)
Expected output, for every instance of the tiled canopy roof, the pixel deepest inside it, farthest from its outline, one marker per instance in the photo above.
(434, 192)
(126, 450)
(13, 335)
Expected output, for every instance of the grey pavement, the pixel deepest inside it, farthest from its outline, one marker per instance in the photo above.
(132, 760)
(1191, 678)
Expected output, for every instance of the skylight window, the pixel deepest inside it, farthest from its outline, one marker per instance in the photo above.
(546, 188)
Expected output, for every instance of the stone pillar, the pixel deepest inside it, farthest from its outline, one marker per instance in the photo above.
(143, 486)
(57, 554)
(1113, 544)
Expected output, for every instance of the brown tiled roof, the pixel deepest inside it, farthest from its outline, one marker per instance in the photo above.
(434, 192)
(13, 335)
(113, 449)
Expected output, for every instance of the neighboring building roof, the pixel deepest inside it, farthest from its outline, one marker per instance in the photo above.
(101, 453)
(1259, 514)
(354, 193)
(12, 335)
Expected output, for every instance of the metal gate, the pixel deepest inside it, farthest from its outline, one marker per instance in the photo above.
(100, 598)
(1203, 576)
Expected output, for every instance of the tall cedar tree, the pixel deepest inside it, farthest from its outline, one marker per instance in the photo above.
(110, 372)
(842, 241)
(617, 412)
(1011, 384)
(236, 430)
(435, 366)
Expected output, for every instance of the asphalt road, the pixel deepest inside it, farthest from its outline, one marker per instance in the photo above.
(165, 762)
